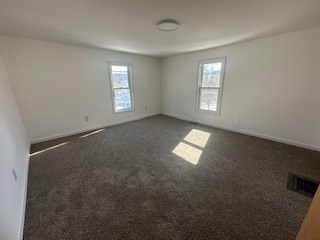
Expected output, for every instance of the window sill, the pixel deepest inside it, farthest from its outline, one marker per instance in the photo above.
(215, 113)
(123, 111)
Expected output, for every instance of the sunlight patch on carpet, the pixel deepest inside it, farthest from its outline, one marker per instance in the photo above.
(48, 149)
(197, 137)
(188, 153)
(92, 133)
(190, 148)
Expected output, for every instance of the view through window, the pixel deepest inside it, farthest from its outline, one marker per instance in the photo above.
(210, 82)
(121, 83)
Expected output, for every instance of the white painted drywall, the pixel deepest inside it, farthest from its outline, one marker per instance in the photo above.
(14, 154)
(273, 84)
(57, 85)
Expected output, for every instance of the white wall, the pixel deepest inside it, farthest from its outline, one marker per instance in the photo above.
(14, 154)
(57, 85)
(273, 84)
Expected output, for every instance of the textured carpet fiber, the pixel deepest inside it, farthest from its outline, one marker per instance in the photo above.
(132, 182)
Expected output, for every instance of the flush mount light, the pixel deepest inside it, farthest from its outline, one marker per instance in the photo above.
(168, 25)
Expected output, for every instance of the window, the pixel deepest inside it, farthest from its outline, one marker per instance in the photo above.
(210, 82)
(121, 86)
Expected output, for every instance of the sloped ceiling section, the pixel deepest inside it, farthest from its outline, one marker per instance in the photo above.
(129, 25)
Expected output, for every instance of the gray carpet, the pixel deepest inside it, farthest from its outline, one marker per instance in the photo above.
(126, 183)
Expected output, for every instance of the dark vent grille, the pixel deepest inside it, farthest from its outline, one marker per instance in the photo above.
(302, 185)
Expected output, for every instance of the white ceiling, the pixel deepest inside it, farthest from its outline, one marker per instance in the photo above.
(129, 25)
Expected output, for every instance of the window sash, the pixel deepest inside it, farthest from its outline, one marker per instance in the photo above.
(114, 89)
(201, 98)
(219, 89)
(121, 88)
(210, 88)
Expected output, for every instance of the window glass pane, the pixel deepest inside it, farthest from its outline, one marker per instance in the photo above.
(211, 74)
(116, 68)
(209, 99)
(120, 76)
(122, 98)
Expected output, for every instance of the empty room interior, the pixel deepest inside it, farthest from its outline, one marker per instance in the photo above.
(171, 119)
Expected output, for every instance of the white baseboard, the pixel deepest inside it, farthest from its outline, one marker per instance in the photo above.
(178, 117)
(92, 128)
(242, 131)
(250, 133)
(23, 201)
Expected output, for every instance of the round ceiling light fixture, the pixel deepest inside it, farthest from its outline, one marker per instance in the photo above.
(168, 25)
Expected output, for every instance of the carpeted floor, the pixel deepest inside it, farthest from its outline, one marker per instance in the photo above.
(127, 182)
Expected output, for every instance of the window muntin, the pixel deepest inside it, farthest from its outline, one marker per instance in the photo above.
(210, 82)
(121, 86)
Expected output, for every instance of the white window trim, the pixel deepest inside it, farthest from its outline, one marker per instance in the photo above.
(130, 76)
(200, 71)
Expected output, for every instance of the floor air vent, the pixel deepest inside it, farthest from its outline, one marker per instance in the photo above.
(302, 185)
